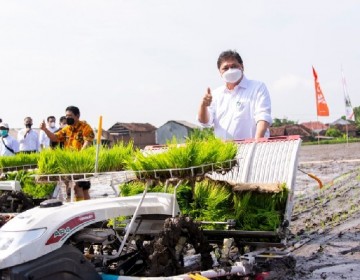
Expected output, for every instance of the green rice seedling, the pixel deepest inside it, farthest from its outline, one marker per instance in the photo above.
(77, 161)
(202, 134)
(261, 219)
(184, 196)
(18, 160)
(29, 185)
(219, 206)
(199, 203)
(47, 163)
(260, 211)
(55, 161)
(115, 158)
(131, 188)
(216, 202)
(156, 164)
(193, 154)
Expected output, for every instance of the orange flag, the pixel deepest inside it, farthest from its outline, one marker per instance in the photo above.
(321, 105)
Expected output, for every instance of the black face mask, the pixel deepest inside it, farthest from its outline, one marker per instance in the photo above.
(70, 121)
(28, 125)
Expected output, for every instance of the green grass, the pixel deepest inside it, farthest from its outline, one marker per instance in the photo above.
(332, 141)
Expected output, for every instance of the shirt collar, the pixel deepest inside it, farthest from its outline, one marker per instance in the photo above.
(243, 84)
(75, 127)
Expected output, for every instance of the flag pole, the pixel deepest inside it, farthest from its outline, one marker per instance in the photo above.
(349, 111)
(318, 133)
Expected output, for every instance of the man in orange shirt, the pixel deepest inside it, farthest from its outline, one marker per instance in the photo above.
(76, 135)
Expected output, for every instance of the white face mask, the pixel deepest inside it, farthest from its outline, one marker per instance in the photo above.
(52, 124)
(232, 75)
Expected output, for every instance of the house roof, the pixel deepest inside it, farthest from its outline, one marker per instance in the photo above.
(277, 131)
(133, 127)
(343, 128)
(184, 123)
(298, 129)
(295, 129)
(341, 121)
(317, 126)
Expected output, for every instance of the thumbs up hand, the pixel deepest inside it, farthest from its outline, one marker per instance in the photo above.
(207, 98)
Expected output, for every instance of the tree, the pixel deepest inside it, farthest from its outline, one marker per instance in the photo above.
(333, 132)
(202, 134)
(357, 114)
(280, 122)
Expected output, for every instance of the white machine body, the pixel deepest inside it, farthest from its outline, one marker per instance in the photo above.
(41, 230)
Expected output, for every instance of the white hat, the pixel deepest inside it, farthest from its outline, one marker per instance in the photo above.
(4, 125)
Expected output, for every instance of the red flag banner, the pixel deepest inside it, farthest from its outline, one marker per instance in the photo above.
(321, 105)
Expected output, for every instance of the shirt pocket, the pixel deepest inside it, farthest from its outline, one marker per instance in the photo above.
(242, 109)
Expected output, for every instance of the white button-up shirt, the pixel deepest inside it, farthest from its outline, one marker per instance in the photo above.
(44, 139)
(30, 142)
(11, 143)
(235, 113)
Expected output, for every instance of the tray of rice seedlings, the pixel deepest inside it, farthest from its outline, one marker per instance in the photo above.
(29, 186)
(70, 164)
(115, 158)
(19, 161)
(193, 159)
(64, 162)
(212, 201)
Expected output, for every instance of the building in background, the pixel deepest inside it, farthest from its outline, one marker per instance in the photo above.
(142, 134)
(174, 129)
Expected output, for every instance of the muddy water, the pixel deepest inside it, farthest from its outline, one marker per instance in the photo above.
(327, 162)
(326, 223)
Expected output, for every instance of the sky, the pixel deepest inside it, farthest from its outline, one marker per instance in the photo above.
(151, 61)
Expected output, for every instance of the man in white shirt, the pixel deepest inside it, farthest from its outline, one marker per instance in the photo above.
(8, 145)
(240, 109)
(28, 138)
(44, 140)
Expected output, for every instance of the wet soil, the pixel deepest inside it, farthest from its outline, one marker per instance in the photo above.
(325, 223)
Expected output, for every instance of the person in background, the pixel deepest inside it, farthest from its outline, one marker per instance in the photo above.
(241, 108)
(28, 138)
(76, 135)
(62, 122)
(9, 146)
(44, 141)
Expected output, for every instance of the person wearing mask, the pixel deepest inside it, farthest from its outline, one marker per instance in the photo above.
(44, 141)
(62, 122)
(9, 146)
(76, 135)
(28, 138)
(241, 108)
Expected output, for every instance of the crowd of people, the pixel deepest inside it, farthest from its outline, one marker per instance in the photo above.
(28, 140)
(72, 134)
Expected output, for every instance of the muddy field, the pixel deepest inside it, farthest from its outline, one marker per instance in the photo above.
(326, 223)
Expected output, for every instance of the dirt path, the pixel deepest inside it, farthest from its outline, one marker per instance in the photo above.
(326, 223)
